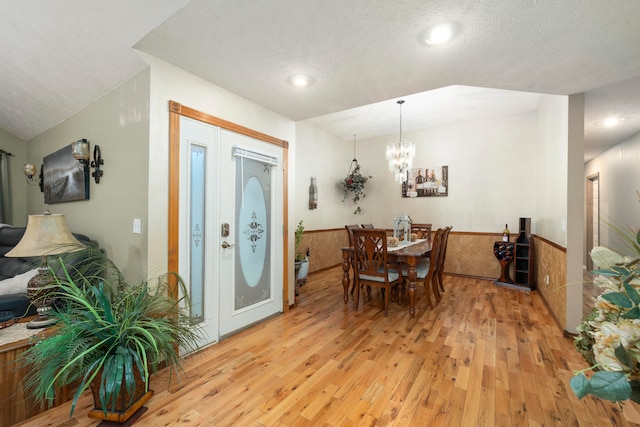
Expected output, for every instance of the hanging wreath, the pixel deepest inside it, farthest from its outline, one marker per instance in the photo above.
(354, 183)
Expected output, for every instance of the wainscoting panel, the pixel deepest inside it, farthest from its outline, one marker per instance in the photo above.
(551, 259)
(468, 254)
(324, 246)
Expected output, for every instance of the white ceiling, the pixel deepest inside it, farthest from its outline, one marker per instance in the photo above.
(60, 56)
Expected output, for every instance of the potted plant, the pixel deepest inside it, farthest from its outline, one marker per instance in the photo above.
(302, 258)
(109, 333)
(354, 183)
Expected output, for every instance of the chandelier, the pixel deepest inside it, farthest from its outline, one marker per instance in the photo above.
(400, 155)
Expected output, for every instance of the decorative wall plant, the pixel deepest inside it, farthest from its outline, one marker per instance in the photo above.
(353, 185)
(354, 182)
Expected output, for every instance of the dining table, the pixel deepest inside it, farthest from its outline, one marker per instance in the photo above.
(407, 253)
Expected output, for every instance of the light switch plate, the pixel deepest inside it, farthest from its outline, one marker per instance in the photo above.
(137, 226)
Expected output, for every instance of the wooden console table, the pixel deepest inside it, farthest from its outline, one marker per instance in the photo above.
(16, 404)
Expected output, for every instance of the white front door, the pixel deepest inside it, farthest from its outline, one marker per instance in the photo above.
(231, 224)
(251, 278)
(198, 263)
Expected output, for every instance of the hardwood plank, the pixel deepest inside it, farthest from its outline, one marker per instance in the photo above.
(485, 355)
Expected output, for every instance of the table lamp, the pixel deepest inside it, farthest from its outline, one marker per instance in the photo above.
(45, 235)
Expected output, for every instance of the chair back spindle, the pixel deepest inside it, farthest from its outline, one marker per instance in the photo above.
(423, 231)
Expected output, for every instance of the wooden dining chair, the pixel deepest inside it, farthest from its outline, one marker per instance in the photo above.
(369, 226)
(371, 265)
(350, 229)
(442, 256)
(423, 231)
(427, 269)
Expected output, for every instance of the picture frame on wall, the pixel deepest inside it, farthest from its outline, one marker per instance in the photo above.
(65, 179)
(427, 182)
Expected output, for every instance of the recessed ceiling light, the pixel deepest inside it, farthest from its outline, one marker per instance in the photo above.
(300, 80)
(611, 122)
(439, 34)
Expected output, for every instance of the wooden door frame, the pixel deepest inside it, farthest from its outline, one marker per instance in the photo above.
(177, 110)
(589, 199)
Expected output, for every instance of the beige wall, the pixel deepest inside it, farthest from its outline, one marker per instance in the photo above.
(19, 187)
(575, 209)
(119, 123)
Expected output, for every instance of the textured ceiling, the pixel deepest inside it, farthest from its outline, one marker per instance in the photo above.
(359, 53)
(60, 56)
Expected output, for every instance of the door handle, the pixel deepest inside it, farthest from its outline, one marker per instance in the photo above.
(226, 245)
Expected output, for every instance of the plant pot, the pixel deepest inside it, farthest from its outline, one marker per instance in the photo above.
(303, 272)
(124, 413)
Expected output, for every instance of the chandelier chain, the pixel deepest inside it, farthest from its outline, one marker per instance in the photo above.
(400, 154)
(400, 102)
(354, 146)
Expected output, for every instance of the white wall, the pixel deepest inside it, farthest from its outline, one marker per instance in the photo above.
(549, 220)
(491, 176)
(171, 83)
(327, 158)
(619, 175)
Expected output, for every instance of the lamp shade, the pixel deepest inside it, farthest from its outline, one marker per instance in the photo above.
(45, 235)
(80, 149)
(29, 170)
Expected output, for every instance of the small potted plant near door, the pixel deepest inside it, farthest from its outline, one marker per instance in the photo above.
(110, 337)
(302, 258)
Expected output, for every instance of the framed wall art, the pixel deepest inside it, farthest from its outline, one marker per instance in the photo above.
(427, 182)
(65, 179)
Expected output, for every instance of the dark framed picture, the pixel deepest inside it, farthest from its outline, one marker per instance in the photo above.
(427, 182)
(65, 179)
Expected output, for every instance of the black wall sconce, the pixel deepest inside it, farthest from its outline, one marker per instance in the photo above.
(80, 150)
(96, 163)
(30, 171)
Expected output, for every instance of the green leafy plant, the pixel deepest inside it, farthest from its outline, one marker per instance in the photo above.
(108, 329)
(354, 183)
(609, 338)
(300, 256)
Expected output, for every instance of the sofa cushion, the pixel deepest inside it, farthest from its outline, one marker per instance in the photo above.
(19, 304)
(16, 284)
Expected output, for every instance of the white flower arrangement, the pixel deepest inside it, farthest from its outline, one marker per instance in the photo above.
(609, 338)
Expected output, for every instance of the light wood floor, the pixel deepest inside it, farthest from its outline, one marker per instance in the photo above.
(486, 355)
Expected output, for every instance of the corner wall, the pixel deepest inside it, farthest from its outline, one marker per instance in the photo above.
(119, 123)
(619, 178)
